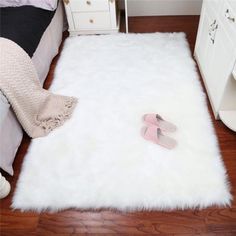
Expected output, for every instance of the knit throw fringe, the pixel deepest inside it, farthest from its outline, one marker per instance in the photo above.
(38, 110)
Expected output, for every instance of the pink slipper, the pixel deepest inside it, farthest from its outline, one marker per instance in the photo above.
(155, 135)
(157, 120)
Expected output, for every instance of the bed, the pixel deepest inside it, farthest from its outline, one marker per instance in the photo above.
(47, 48)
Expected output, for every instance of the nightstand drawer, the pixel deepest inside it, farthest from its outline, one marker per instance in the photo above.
(89, 5)
(95, 20)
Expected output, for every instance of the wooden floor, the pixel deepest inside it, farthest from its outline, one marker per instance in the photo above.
(211, 221)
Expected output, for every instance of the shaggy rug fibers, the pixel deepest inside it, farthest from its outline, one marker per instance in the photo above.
(98, 159)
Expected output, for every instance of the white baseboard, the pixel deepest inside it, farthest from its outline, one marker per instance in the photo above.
(163, 7)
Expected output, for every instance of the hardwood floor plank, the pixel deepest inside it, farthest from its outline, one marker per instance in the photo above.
(17, 222)
(117, 222)
(139, 223)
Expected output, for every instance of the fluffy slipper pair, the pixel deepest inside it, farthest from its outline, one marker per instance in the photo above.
(153, 132)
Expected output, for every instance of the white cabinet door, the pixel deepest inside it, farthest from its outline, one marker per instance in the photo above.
(215, 53)
(220, 66)
(215, 5)
(204, 45)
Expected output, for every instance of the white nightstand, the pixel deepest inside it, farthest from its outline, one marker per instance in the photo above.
(215, 53)
(92, 16)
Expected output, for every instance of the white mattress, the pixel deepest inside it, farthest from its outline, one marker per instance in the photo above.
(10, 130)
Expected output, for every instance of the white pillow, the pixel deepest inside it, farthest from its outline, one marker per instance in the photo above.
(50, 5)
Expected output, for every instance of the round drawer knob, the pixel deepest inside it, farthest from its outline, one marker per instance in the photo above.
(91, 21)
(88, 2)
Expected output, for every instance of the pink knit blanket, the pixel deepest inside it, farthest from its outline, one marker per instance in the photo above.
(38, 110)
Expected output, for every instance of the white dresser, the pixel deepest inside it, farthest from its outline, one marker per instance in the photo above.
(92, 16)
(215, 52)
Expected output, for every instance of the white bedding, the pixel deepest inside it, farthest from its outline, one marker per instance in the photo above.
(44, 4)
(10, 131)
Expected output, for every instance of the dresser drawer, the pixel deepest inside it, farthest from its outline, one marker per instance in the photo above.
(89, 5)
(90, 21)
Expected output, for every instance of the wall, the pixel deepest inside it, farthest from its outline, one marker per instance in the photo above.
(163, 7)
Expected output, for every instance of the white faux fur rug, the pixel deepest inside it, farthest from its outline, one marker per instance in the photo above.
(98, 159)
